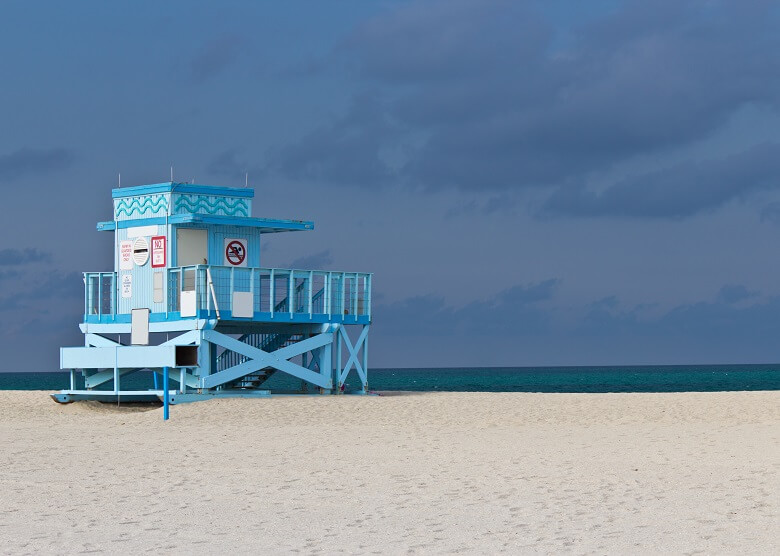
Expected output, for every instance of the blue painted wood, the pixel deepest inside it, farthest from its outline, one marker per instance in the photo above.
(166, 394)
(265, 225)
(168, 187)
(264, 317)
(280, 297)
(260, 358)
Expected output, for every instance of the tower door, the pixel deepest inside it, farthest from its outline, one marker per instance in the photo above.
(191, 247)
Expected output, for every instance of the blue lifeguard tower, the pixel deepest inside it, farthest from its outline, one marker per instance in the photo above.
(188, 297)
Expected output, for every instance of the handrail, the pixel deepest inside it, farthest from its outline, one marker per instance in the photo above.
(213, 293)
(309, 292)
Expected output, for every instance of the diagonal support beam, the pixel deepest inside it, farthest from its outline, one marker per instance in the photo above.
(353, 355)
(99, 341)
(101, 377)
(260, 359)
(190, 380)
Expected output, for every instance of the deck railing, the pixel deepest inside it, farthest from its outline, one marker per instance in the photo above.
(190, 290)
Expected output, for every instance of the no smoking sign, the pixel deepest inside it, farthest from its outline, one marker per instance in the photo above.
(235, 252)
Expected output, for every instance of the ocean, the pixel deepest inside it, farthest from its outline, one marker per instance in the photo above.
(688, 378)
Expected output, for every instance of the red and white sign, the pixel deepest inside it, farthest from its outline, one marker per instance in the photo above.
(158, 251)
(235, 251)
(125, 255)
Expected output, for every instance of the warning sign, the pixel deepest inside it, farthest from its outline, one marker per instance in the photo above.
(125, 255)
(127, 285)
(158, 251)
(235, 252)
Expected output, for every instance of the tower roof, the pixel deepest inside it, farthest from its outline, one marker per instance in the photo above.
(185, 203)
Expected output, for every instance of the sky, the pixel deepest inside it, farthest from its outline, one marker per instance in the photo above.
(531, 183)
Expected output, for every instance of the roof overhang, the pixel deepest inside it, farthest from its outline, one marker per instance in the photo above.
(265, 225)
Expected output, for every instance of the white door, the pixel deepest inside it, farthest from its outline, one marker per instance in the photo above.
(191, 247)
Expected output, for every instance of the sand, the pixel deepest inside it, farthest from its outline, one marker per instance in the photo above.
(428, 473)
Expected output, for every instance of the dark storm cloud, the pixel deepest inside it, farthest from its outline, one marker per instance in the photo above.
(227, 164)
(679, 191)
(771, 213)
(215, 56)
(738, 325)
(16, 257)
(492, 95)
(518, 309)
(734, 293)
(350, 152)
(30, 162)
(722, 324)
(319, 260)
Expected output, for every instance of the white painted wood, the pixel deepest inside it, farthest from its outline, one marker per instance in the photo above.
(188, 307)
(142, 231)
(242, 304)
(139, 327)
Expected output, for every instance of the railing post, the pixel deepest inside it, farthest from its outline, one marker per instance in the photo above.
(290, 295)
(208, 295)
(100, 295)
(368, 313)
(272, 301)
(343, 286)
(252, 288)
(195, 287)
(327, 293)
(355, 296)
(311, 285)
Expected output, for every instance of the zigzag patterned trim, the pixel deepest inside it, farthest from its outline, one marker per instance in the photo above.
(135, 205)
(198, 203)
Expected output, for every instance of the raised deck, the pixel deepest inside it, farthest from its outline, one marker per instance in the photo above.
(242, 295)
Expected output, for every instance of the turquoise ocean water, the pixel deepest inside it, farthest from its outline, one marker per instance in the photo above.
(689, 378)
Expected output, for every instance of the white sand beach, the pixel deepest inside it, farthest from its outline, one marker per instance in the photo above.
(426, 473)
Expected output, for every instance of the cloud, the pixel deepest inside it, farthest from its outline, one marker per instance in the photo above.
(315, 261)
(498, 95)
(771, 213)
(17, 257)
(28, 162)
(517, 309)
(734, 293)
(54, 285)
(42, 303)
(530, 325)
(679, 191)
(355, 150)
(215, 56)
(228, 164)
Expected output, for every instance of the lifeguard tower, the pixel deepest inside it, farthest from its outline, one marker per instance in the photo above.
(188, 295)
